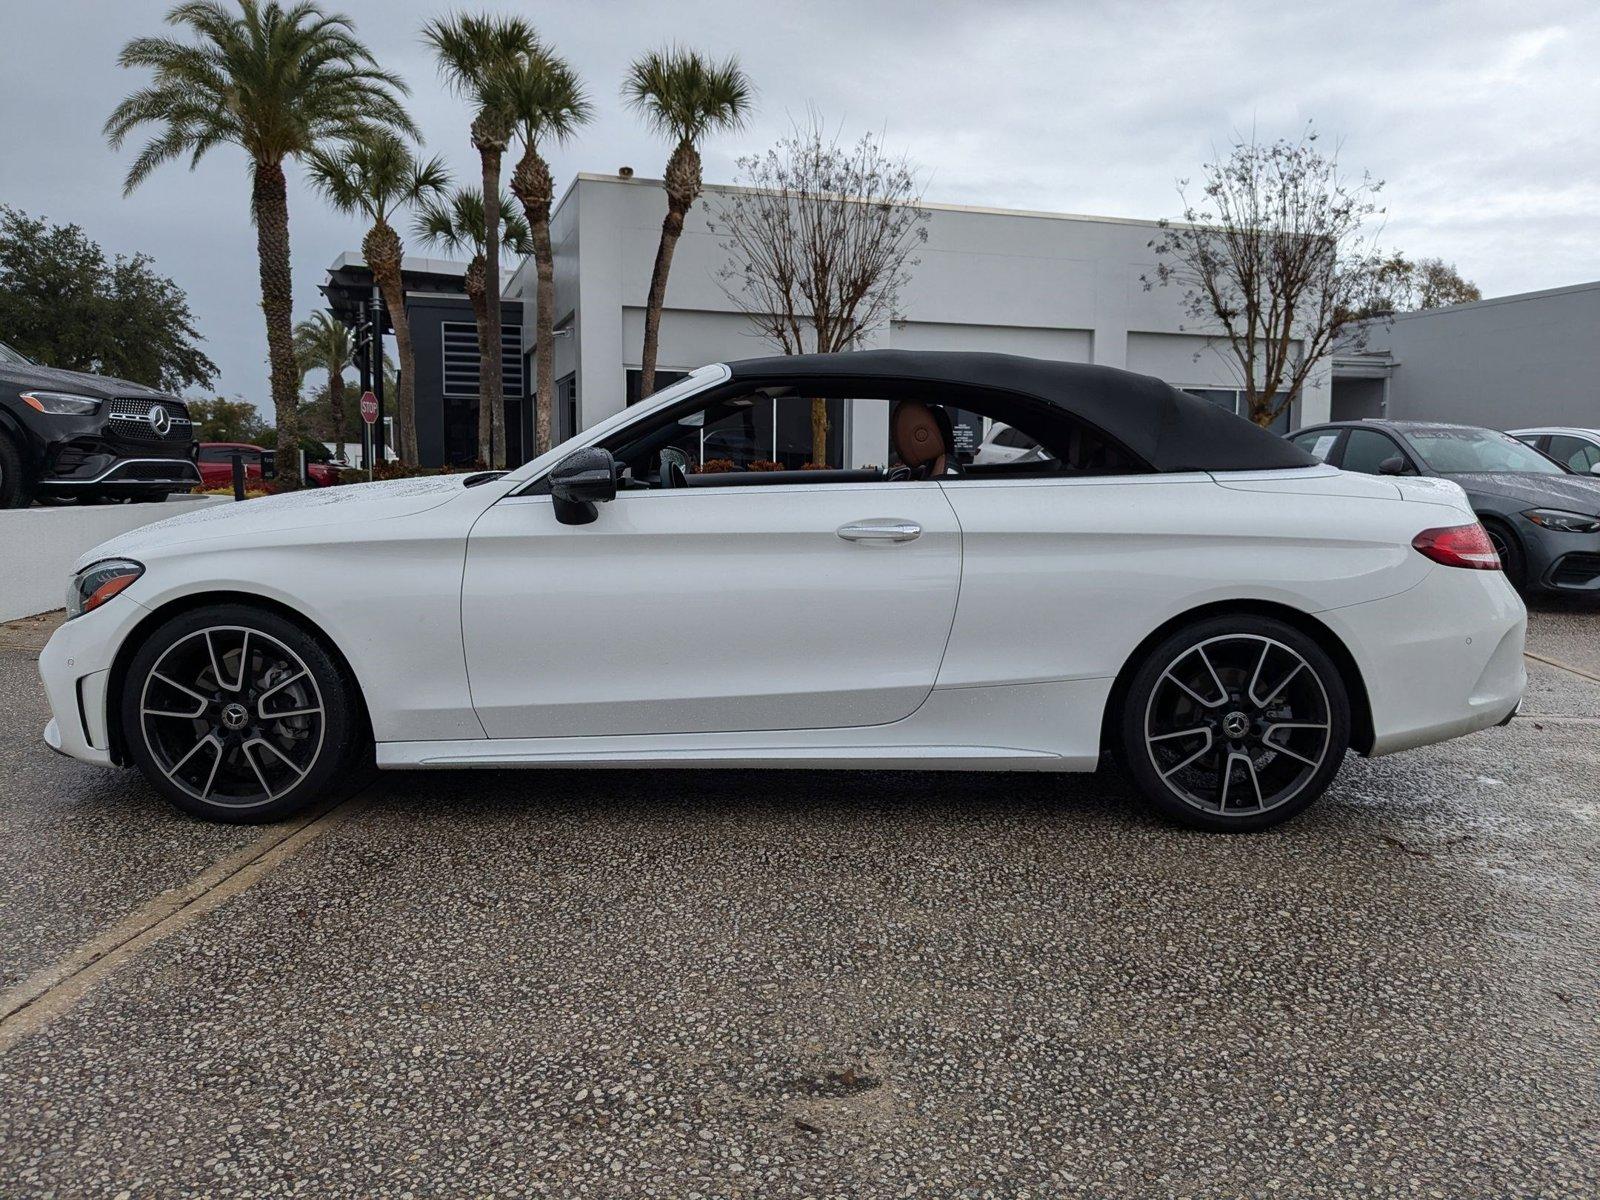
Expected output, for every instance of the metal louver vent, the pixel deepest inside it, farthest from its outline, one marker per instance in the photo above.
(461, 359)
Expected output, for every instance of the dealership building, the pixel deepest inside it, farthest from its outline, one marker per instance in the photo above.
(1513, 361)
(1052, 285)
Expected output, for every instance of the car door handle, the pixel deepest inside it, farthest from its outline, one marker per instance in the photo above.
(880, 529)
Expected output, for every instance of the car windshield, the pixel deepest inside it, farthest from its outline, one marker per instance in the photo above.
(1453, 451)
(12, 359)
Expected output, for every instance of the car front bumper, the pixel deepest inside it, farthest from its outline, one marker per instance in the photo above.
(1561, 562)
(105, 472)
(1575, 571)
(75, 668)
(108, 451)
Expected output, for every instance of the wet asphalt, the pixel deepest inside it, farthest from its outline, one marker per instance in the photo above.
(827, 985)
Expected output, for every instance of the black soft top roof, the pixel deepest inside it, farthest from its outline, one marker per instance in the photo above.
(1169, 429)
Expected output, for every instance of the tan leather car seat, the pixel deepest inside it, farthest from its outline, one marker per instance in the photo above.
(922, 437)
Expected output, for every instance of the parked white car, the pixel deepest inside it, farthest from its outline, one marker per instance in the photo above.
(1576, 448)
(1170, 583)
(1005, 444)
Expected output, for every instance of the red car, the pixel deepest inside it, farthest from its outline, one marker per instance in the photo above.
(216, 465)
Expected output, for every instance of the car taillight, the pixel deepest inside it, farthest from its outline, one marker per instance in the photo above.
(1459, 546)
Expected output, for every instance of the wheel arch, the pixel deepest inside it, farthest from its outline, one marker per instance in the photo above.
(11, 426)
(1502, 522)
(1361, 728)
(159, 616)
(15, 434)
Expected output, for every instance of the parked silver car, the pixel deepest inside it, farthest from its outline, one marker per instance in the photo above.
(1577, 448)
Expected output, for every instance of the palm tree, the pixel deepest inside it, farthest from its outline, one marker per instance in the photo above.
(547, 102)
(475, 53)
(278, 83)
(456, 225)
(375, 179)
(321, 343)
(683, 95)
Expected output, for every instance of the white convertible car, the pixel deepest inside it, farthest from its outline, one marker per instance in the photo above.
(781, 562)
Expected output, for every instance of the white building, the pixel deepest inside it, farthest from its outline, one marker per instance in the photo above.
(1052, 285)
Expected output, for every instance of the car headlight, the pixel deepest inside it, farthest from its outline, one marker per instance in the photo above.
(1563, 522)
(98, 582)
(61, 404)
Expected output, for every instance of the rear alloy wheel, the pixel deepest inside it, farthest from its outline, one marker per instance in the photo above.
(237, 714)
(1237, 723)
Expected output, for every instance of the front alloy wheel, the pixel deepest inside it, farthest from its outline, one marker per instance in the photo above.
(237, 714)
(1237, 724)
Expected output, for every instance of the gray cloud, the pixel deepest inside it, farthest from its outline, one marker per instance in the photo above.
(1479, 115)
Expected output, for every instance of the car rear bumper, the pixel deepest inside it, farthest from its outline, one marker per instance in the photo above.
(1439, 661)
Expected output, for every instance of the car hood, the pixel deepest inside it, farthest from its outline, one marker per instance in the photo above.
(352, 505)
(1572, 492)
(100, 387)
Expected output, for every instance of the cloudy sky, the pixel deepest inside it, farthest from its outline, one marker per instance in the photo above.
(1483, 117)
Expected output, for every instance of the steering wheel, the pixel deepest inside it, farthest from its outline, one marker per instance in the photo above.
(674, 468)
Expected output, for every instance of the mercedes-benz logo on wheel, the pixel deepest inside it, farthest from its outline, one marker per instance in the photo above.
(160, 420)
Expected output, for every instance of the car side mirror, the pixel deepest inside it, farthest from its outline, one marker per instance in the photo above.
(1394, 465)
(580, 481)
(1594, 468)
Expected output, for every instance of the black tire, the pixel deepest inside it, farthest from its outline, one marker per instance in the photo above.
(271, 761)
(1512, 559)
(1228, 702)
(16, 481)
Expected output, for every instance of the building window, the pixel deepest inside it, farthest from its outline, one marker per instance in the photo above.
(566, 413)
(664, 379)
(1233, 400)
(460, 342)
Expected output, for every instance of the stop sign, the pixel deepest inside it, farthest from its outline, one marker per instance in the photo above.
(369, 408)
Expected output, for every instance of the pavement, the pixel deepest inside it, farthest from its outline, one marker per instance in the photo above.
(812, 985)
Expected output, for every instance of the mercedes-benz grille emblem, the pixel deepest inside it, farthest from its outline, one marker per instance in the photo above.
(160, 420)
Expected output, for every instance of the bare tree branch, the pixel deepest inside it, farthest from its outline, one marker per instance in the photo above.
(1274, 254)
(820, 239)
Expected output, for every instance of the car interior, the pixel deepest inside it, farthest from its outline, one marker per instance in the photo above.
(750, 436)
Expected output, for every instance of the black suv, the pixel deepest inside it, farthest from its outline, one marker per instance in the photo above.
(70, 435)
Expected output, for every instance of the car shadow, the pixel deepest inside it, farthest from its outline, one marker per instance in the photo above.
(669, 794)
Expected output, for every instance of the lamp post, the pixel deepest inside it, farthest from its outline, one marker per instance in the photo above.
(375, 361)
(363, 362)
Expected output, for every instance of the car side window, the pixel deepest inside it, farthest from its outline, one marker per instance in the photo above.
(788, 435)
(1365, 450)
(1318, 443)
(1576, 453)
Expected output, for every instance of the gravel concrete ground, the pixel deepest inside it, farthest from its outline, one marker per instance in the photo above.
(828, 985)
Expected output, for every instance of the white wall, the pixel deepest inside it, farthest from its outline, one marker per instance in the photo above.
(38, 546)
(1066, 345)
(1044, 284)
